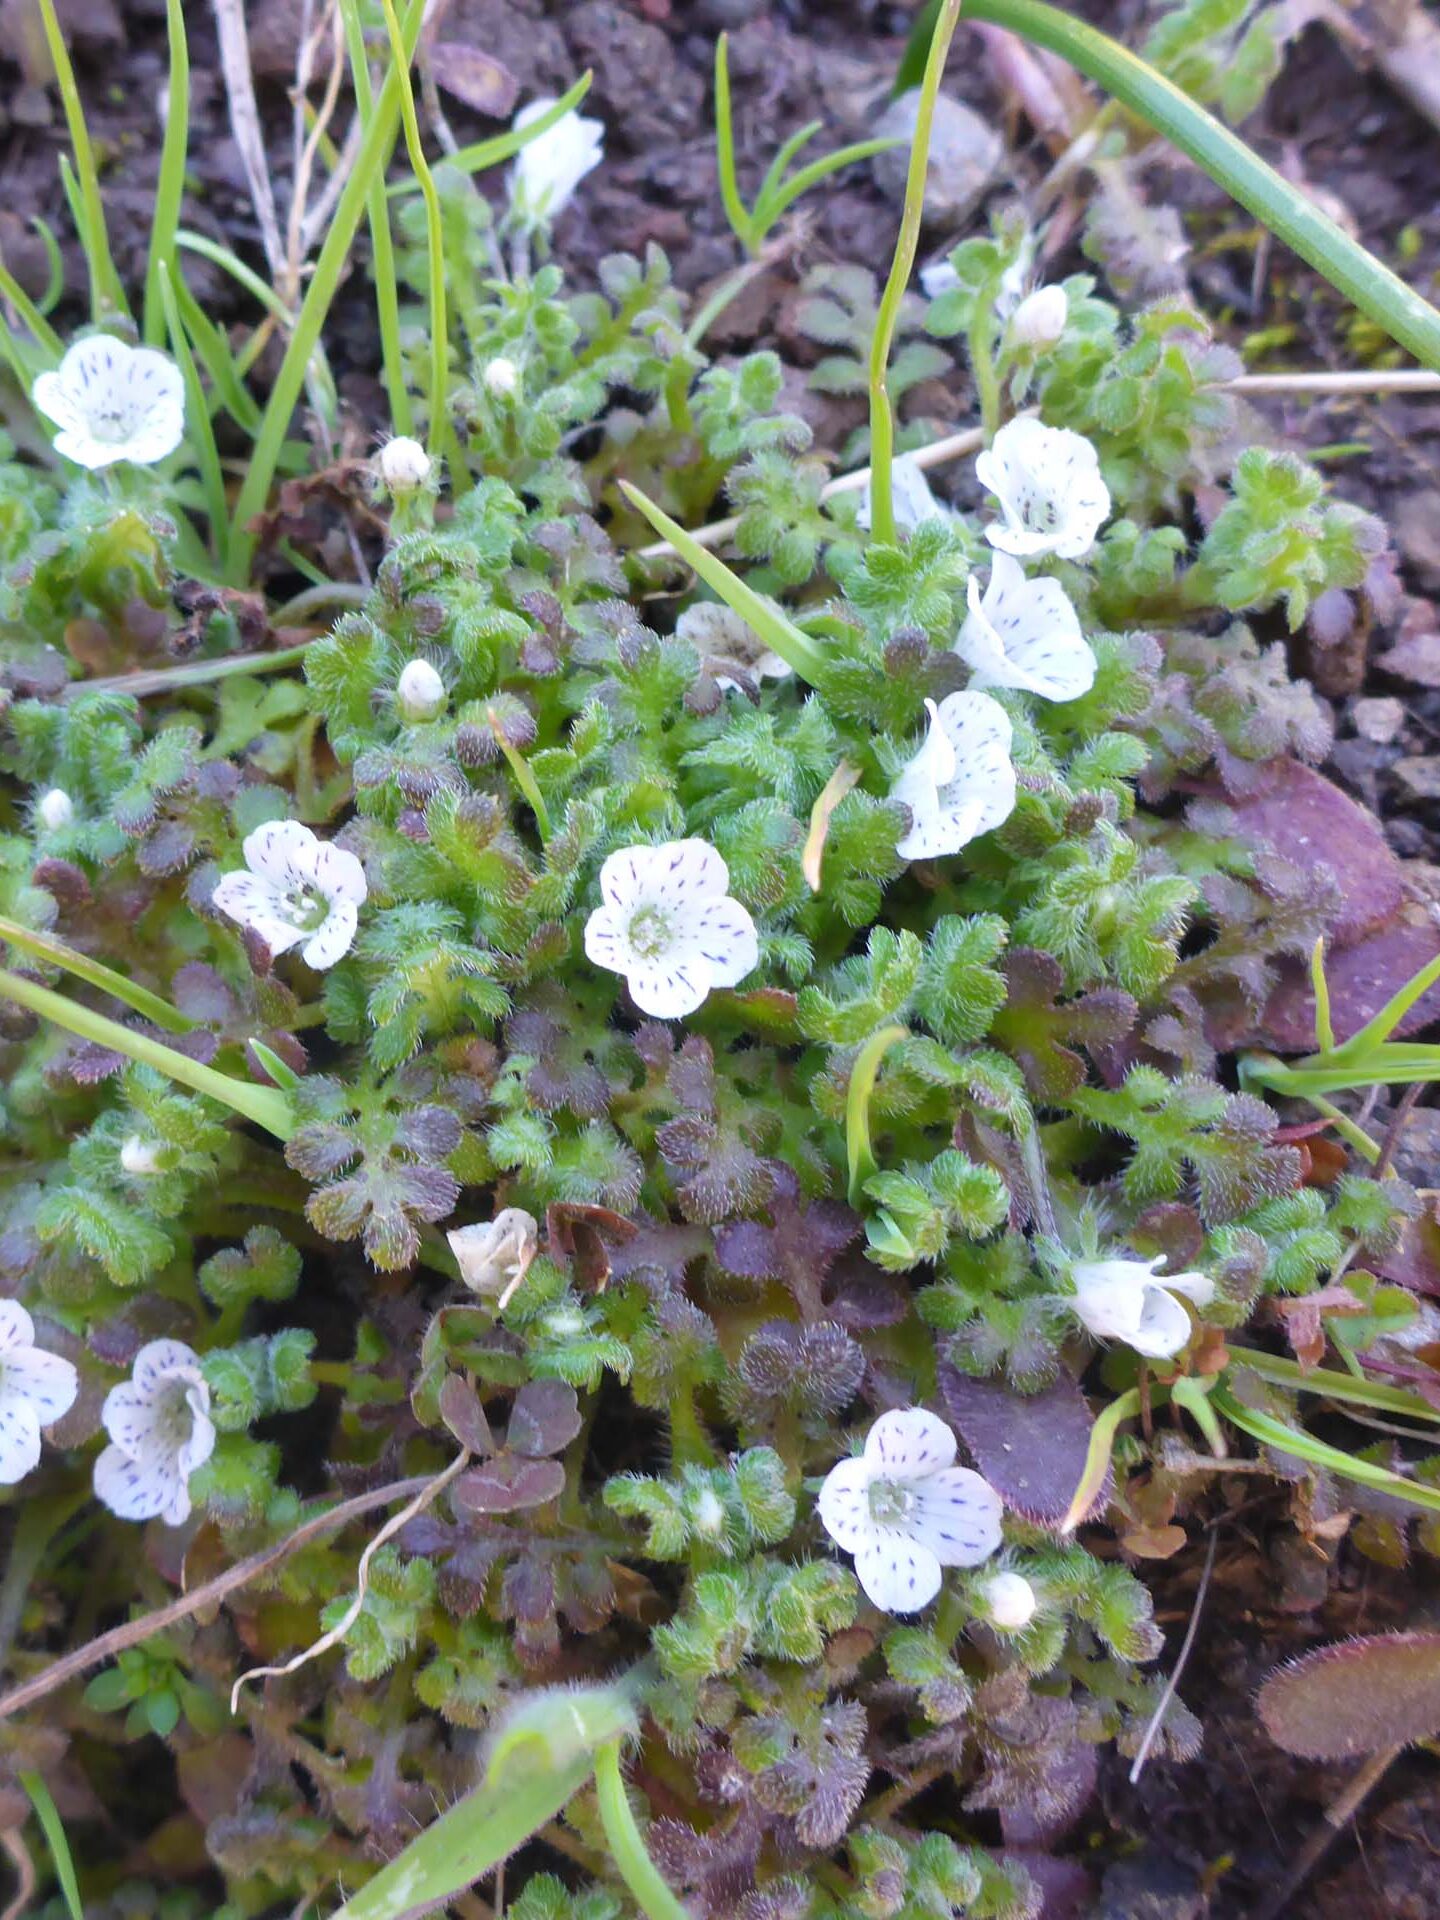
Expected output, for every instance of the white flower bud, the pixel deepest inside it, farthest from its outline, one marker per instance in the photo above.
(502, 376)
(1040, 317)
(404, 464)
(495, 1255)
(420, 692)
(709, 1514)
(140, 1157)
(1009, 1600)
(56, 809)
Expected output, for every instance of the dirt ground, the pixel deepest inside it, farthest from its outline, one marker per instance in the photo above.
(1214, 1838)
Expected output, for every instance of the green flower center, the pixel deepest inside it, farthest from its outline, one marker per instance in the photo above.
(649, 933)
(891, 1502)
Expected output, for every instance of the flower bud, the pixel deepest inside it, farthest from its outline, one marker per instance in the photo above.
(502, 376)
(420, 692)
(56, 809)
(404, 464)
(1009, 1600)
(140, 1157)
(1040, 317)
(495, 1255)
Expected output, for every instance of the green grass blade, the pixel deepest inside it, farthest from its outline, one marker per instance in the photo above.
(1324, 1026)
(53, 1827)
(439, 421)
(1358, 1389)
(232, 264)
(45, 335)
(1097, 1456)
(382, 244)
(775, 174)
(859, 1154)
(55, 261)
(212, 350)
(504, 146)
(1271, 1432)
(55, 953)
(170, 189)
(734, 206)
(200, 429)
(778, 632)
(911, 70)
(821, 169)
(106, 293)
(1378, 1029)
(1288, 212)
(627, 1847)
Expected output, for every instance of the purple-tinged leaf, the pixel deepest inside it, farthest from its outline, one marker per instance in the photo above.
(463, 1414)
(1356, 1697)
(508, 1484)
(545, 1418)
(1361, 979)
(1066, 1889)
(1031, 1447)
(478, 79)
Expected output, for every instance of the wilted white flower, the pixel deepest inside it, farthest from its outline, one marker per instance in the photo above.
(501, 375)
(494, 1256)
(404, 464)
(1048, 483)
(669, 925)
(961, 783)
(160, 1430)
(546, 173)
(905, 1510)
(298, 888)
(1127, 1300)
(722, 638)
(1040, 318)
(113, 402)
(910, 497)
(36, 1388)
(56, 810)
(1009, 1601)
(139, 1156)
(1025, 633)
(420, 692)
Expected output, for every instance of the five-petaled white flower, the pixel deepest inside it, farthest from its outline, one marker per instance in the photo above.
(547, 172)
(298, 888)
(961, 783)
(1127, 1300)
(905, 1510)
(36, 1388)
(911, 500)
(1025, 633)
(113, 402)
(669, 925)
(160, 1430)
(1048, 483)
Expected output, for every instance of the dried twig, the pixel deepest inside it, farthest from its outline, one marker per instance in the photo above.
(245, 124)
(13, 1841)
(1338, 1815)
(1157, 1718)
(134, 1632)
(334, 1635)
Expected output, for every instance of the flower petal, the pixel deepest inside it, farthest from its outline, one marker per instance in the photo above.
(283, 852)
(668, 989)
(51, 396)
(1198, 1287)
(1163, 1327)
(909, 1442)
(132, 1419)
(956, 1514)
(605, 944)
(687, 871)
(252, 902)
(158, 1361)
(333, 938)
(17, 1329)
(722, 933)
(1047, 480)
(983, 785)
(844, 1503)
(47, 1380)
(19, 1435)
(1110, 1296)
(624, 879)
(195, 1451)
(1025, 634)
(339, 874)
(899, 1574)
(141, 1491)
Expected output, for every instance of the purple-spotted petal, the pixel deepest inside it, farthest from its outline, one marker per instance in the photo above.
(339, 875)
(47, 1380)
(899, 1574)
(844, 1503)
(159, 1360)
(956, 1514)
(332, 940)
(687, 871)
(282, 851)
(19, 1435)
(131, 1418)
(195, 1451)
(908, 1443)
(138, 1490)
(605, 944)
(17, 1329)
(1026, 634)
(722, 933)
(669, 989)
(625, 879)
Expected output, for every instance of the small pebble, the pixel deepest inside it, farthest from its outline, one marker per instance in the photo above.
(1379, 719)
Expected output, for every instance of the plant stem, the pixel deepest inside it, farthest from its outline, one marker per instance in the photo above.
(627, 1847)
(1288, 212)
(382, 246)
(55, 953)
(106, 292)
(882, 417)
(170, 190)
(863, 1074)
(434, 236)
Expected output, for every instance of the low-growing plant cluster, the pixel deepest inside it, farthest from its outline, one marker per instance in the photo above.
(620, 1064)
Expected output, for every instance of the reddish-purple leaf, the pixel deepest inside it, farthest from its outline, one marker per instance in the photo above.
(1031, 1447)
(545, 1418)
(1361, 979)
(508, 1484)
(463, 1414)
(1356, 1697)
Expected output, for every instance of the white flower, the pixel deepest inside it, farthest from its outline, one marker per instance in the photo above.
(36, 1388)
(139, 1156)
(937, 278)
(494, 1256)
(56, 810)
(547, 172)
(1126, 1300)
(669, 925)
(420, 692)
(961, 782)
(1040, 318)
(905, 1510)
(501, 375)
(298, 888)
(1025, 633)
(404, 464)
(1009, 1601)
(724, 639)
(1048, 483)
(113, 402)
(160, 1428)
(911, 498)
